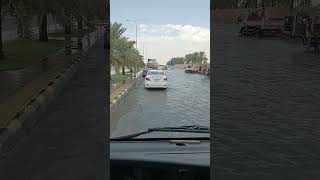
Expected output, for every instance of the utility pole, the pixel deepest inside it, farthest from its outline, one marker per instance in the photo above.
(135, 21)
(146, 56)
(143, 51)
(136, 35)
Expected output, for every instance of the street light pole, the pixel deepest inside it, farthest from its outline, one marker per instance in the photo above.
(135, 21)
(146, 55)
(136, 35)
(143, 51)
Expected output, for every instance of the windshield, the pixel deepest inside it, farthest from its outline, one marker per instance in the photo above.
(184, 102)
(155, 73)
(151, 87)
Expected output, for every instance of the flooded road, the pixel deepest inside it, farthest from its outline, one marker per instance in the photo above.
(266, 107)
(185, 102)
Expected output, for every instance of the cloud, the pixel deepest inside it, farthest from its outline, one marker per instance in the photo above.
(172, 40)
(174, 32)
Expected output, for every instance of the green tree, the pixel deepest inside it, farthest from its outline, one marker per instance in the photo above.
(195, 58)
(179, 60)
(123, 53)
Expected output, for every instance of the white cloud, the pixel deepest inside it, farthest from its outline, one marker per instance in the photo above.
(182, 32)
(172, 40)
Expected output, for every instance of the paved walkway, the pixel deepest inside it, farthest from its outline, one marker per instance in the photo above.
(20, 86)
(70, 141)
(9, 106)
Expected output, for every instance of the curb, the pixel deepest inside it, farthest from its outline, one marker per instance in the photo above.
(124, 93)
(24, 120)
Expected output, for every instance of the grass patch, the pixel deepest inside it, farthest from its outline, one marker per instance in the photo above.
(22, 53)
(117, 78)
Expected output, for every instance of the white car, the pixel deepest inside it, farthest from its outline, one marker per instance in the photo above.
(155, 79)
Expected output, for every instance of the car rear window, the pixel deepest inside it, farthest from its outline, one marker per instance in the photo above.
(155, 73)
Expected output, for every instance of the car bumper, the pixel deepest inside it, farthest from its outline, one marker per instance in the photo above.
(155, 85)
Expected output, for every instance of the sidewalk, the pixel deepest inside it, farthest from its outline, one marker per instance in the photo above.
(15, 103)
(69, 142)
(122, 89)
(13, 97)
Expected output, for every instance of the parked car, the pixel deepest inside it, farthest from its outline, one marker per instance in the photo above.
(155, 79)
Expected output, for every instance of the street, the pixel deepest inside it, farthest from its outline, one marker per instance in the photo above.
(184, 102)
(265, 108)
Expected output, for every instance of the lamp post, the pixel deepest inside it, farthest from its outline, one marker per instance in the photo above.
(135, 21)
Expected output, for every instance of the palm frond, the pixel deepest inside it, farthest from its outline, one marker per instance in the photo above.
(19, 10)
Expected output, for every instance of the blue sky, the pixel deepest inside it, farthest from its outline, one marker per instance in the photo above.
(165, 25)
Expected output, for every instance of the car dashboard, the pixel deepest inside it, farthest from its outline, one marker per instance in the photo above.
(157, 160)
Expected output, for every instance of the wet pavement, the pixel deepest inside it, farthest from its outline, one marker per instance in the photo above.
(184, 102)
(265, 107)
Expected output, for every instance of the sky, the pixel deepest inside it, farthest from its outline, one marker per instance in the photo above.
(166, 28)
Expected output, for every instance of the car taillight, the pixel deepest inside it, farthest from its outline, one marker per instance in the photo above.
(147, 79)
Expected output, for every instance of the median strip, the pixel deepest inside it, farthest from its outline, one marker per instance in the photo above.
(120, 92)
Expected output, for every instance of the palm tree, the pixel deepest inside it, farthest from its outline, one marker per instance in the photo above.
(123, 53)
(43, 32)
(116, 30)
(203, 58)
(21, 11)
(1, 48)
(117, 45)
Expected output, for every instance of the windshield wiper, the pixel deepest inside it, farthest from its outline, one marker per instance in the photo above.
(191, 129)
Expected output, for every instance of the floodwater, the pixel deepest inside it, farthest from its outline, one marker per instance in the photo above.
(265, 108)
(184, 102)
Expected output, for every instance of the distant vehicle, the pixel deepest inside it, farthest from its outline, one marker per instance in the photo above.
(260, 23)
(162, 68)
(188, 70)
(155, 79)
(152, 63)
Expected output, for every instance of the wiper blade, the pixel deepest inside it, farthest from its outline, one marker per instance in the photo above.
(191, 129)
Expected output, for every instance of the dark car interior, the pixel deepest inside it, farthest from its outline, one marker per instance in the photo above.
(150, 159)
(141, 170)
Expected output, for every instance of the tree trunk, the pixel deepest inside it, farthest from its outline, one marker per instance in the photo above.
(1, 48)
(117, 69)
(67, 27)
(80, 23)
(291, 7)
(123, 70)
(43, 32)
